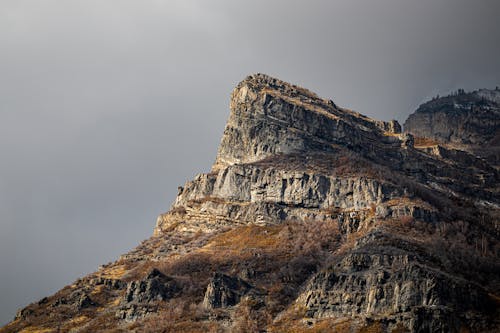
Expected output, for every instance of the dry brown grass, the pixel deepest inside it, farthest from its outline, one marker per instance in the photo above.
(422, 142)
(278, 260)
(400, 329)
(247, 238)
(295, 322)
(114, 272)
(281, 257)
(75, 322)
(36, 329)
(375, 327)
(213, 199)
(177, 315)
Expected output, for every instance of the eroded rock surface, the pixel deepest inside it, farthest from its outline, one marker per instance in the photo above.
(398, 285)
(465, 118)
(269, 117)
(141, 296)
(224, 291)
(156, 286)
(467, 121)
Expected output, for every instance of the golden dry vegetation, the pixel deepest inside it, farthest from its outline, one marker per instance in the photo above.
(422, 142)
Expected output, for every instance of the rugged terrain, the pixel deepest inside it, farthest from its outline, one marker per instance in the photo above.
(467, 121)
(314, 218)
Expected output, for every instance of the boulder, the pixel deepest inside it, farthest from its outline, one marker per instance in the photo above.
(224, 291)
(156, 286)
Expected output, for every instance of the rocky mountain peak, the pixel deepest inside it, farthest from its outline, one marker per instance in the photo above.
(269, 116)
(261, 81)
(313, 218)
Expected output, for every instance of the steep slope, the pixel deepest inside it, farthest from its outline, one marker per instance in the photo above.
(313, 218)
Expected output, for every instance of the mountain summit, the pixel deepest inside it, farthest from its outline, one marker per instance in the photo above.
(270, 117)
(313, 218)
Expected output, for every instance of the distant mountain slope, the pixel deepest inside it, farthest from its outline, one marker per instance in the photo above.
(314, 218)
(469, 121)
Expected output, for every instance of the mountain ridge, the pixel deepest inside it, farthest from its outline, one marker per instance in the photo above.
(252, 98)
(466, 118)
(313, 217)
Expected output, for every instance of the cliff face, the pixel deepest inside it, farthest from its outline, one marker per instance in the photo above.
(464, 118)
(313, 217)
(270, 117)
(468, 121)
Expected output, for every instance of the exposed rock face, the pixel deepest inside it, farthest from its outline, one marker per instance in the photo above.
(470, 121)
(155, 287)
(292, 188)
(399, 285)
(465, 118)
(270, 117)
(266, 195)
(224, 291)
(141, 296)
(84, 302)
(261, 176)
(315, 217)
(109, 283)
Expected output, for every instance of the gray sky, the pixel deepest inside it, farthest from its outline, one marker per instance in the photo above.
(107, 106)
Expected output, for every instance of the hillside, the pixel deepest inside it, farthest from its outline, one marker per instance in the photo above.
(313, 218)
(464, 120)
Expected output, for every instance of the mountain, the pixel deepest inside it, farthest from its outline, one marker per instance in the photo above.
(465, 121)
(313, 218)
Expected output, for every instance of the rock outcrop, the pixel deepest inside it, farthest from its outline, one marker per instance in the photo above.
(224, 291)
(288, 154)
(270, 117)
(398, 286)
(314, 217)
(154, 287)
(467, 121)
(142, 296)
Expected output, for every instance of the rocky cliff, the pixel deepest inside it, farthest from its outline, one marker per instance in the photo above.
(313, 218)
(464, 120)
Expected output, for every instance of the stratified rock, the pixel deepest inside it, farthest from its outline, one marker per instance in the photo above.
(396, 284)
(269, 117)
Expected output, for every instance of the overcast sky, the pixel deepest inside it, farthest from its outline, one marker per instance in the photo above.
(107, 106)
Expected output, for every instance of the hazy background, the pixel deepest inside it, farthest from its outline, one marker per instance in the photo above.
(107, 106)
